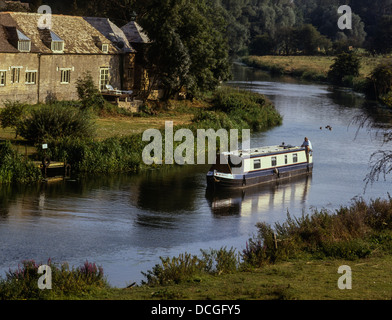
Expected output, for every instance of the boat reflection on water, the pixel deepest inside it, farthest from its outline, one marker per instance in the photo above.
(259, 199)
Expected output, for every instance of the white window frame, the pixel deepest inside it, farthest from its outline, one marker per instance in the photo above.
(65, 75)
(57, 46)
(3, 78)
(15, 74)
(24, 45)
(104, 79)
(31, 77)
(105, 48)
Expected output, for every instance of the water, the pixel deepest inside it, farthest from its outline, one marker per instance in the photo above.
(126, 222)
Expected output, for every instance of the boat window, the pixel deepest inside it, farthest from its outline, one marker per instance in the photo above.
(286, 159)
(295, 157)
(273, 162)
(257, 164)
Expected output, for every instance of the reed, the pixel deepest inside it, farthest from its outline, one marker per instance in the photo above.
(352, 232)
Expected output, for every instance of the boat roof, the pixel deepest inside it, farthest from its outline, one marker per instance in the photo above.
(263, 151)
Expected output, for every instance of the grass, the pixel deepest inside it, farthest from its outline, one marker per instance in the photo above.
(294, 280)
(307, 67)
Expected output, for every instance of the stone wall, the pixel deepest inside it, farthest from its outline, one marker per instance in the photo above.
(48, 79)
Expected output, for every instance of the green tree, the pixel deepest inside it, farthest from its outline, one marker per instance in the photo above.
(346, 64)
(310, 41)
(188, 49)
(381, 81)
(262, 45)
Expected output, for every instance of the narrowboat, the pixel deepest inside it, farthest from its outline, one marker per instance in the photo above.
(245, 168)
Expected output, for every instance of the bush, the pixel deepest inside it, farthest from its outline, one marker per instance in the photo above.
(22, 283)
(15, 168)
(187, 266)
(346, 64)
(89, 156)
(55, 121)
(11, 114)
(380, 82)
(88, 93)
(350, 233)
(246, 109)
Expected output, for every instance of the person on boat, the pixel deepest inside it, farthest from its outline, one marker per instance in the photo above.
(308, 147)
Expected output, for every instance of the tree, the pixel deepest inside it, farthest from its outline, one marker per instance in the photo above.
(346, 64)
(382, 38)
(310, 41)
(188, 48)
(262, 45)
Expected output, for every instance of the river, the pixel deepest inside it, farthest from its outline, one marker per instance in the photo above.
(124, 223)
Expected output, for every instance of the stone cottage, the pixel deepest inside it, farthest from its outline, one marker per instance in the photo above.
(37, 65)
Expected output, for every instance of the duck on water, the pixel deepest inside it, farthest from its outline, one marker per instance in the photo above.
(245, 168)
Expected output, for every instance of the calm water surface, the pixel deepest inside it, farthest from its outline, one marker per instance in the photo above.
(125, 223)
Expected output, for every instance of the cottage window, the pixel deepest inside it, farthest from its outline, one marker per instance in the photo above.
(295, 157)
(31, 77)
(104, 78)
(58, 46)
(256, 164)
(273, 161)
(3, 75)
(15, 74)
(65, 76)
(105, 48)
(24, 45)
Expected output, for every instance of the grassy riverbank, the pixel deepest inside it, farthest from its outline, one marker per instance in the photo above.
(116, 144)
(302, 265)
(312, 68)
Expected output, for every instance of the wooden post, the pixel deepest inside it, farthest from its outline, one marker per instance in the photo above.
(275, 242)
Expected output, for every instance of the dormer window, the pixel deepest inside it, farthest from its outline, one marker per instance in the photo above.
(24, 43)
(24, 46)
(18, 39)
(105, 48)
(57, 43)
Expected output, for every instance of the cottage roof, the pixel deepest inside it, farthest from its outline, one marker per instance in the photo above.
(10, 33)
(113, 33)
(134, 33)
(79, 36)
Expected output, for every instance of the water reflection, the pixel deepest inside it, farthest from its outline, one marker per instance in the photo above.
(260, 199)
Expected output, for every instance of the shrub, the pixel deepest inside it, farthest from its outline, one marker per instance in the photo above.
(380, 82)
(22, 283)
(11, 114)
(91, 156)
(346, 64)
(187, 266)
(88, 93)
(15, 168)
(350, 233)
(175, 269)
(55, 121)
